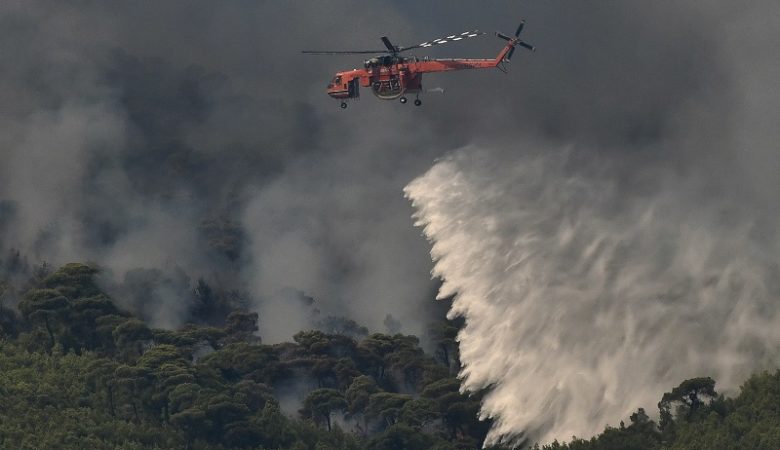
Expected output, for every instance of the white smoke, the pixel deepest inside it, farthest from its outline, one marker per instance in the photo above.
(588, 292)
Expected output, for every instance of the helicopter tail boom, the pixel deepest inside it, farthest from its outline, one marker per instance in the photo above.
(505, 55)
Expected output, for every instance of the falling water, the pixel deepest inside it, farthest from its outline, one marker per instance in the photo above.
(588, 293)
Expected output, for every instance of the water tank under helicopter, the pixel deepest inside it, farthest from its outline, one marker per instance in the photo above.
(387, 80)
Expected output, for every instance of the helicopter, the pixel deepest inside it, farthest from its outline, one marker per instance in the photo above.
(392, 76)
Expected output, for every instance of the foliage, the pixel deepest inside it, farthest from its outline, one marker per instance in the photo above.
(77, 372)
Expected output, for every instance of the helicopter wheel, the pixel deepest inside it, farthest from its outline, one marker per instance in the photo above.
(343, 105)
(417, 102)
(402, 100)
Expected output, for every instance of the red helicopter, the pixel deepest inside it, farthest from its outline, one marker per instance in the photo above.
(392, 76)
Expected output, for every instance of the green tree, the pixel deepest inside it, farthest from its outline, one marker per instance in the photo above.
(130, 338)
(243, 360)
(685, 401)
(401, 437)
(133, 390)
(100, 376)
(419, 412)
(386, 406)
(74, 280)
(45, 308)
(321, 403)
(83, 317)
(342, 326)
(443, 335)
(241, 326)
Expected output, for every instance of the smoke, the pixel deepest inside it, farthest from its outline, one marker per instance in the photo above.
(601, 260)
(169, 143)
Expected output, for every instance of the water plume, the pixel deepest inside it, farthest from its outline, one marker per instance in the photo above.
(592, 285)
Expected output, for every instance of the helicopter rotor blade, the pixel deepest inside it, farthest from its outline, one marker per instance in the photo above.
(527, 45)
(503, 36)
(444, 40)
(346, 52)
(521, 44)
(519, 28)
(392, 48)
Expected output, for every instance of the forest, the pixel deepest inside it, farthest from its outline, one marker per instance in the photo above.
(77, 371)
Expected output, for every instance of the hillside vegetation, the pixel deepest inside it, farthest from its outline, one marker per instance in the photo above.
(77, 371)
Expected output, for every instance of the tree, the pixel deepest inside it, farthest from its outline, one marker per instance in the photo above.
(345, 371)
(401, 437)
(343, 326)
(357, 396)
(223, 410)
(241, 327)
(192, 422)
(190, 338)
(254, 395)
(239, 360)
(312, 341)
(387, 406)
(278, 431)
(320, 403)
(130, 337)
(133, 385)
(687, 399)
(460, 412)
(74, 280)
(167, 377)
(183, 396)
(399, 354)
(443, 335)
(209, 307)
(45, 307)
(83, 317)
(419, 412)
(101, 375)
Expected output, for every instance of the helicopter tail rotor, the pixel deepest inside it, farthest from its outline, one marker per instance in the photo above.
(515, 41)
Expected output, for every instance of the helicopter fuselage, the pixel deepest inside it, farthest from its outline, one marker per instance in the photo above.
(386, 82)
(390, 77)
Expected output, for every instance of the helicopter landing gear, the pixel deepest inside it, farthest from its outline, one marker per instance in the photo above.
(343, 105)
(417, 102)
(402, 100)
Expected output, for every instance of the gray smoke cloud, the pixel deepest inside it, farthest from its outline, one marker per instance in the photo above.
(190, 140)
(600, 262)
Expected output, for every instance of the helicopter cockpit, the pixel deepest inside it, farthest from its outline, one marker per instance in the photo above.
(382, 61)
(335, 81)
